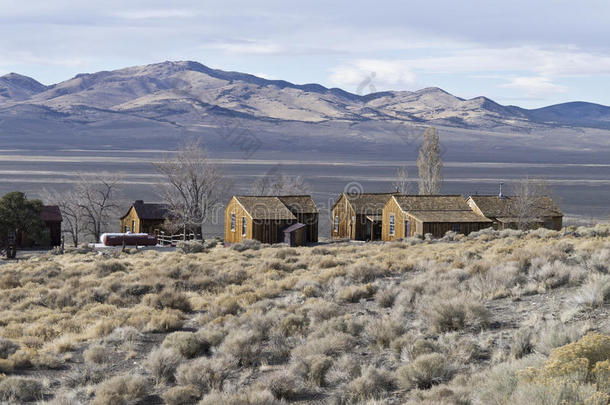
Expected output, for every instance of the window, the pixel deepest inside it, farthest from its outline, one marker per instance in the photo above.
(392, 224)
(336, 225)
(133, 226)
(243, 226)
(232, 222)
(456, 228)
(126, 229)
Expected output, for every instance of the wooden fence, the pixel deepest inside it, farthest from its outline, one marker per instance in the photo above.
(171, 240)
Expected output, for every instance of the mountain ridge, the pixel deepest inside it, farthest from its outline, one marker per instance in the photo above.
(158, 81)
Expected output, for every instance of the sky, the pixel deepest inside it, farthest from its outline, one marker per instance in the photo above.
(526, 53)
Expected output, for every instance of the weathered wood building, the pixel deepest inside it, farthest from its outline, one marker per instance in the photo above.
(508, 212)
(358, 216)
(408, 215)
(144, 217)
(52, 218)
(272, 219)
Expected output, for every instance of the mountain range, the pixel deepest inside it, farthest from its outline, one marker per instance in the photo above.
(158, 103)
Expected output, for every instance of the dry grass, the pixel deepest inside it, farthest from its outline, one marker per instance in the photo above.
(413, 321)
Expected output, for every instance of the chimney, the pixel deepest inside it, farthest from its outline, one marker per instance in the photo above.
(501, 195)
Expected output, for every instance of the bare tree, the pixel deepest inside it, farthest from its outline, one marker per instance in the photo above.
(528, 201)
(402, 184)
(195, 187)
(69, 204)
(279, 184)
(430, 164)
(97, 201)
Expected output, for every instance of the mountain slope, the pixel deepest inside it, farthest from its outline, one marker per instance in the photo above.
(16, 87)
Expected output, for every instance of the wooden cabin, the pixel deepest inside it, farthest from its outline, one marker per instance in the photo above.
(501, 210)
(267, 218)
(144, 218)
(358, 216)
(52, 218)
(408, 215)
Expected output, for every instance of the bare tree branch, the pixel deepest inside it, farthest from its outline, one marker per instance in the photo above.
(402, 184)
(194, 187)
(527, 202)
(430, 164)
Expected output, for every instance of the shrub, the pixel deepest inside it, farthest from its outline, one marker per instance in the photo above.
(355, 293)
(595, 293)
(19, 389)
(249, 397)
(385, 298)
(555, 334)
(292, 325)
(190, 246)
(455, 314)
(97, 354)
(168, 299)
(383, 331)
(244, 345)
(162, 364)
(313, 368)
(109, 266)
(330, 345)
(425, 371)
(165, 321)
(188, 344)
(283, 385)
(364, 273)
(121, 389)
(205, 373)
(374, 383)
(580, 357)
(245, 245)
(181, 395)
(225, 305)
(521, 344)
(7, 347)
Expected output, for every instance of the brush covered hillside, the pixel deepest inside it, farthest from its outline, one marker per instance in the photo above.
(157, 105)
(493, 318)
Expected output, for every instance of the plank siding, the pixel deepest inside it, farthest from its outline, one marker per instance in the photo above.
(345, 212)
(235, 236)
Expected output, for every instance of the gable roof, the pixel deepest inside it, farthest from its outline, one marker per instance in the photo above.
(299, 204)
(149, 211)
(366, 203)
(492, 206)
(51, 213)
(264, 207)
(438, 208)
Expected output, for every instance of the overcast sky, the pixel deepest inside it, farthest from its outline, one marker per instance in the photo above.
(528, 53)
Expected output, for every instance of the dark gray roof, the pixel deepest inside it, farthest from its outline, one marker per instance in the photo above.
(492, 206)
(51, 213)
(150, 211)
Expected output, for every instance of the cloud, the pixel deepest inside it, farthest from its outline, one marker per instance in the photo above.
(370, 75)
(250, 47)
(154, 14)
(534, 86)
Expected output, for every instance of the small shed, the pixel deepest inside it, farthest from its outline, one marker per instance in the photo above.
(358, 216)
(504, 211)
(405, 216)
(295, 235)
(144, 217)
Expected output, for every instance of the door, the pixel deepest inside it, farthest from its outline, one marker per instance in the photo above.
(407, 228)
